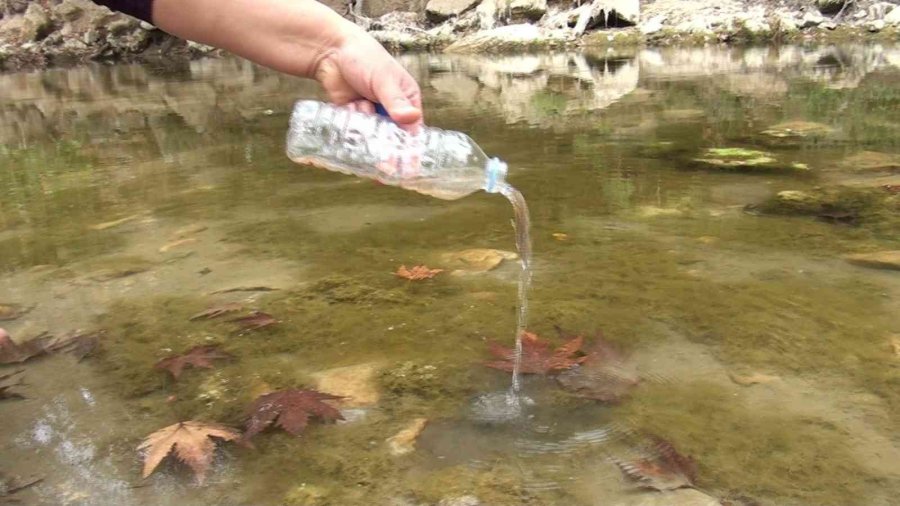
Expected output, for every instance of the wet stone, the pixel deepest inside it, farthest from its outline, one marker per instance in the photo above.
(798, 130)
(746, 160)
(871, 161)
(404, 442)
(477, 259)
(879, 260)
(357, 383)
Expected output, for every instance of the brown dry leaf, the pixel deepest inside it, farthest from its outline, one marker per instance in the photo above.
(417, 273)
(77, 344)
(663, 468)
(198, 356)
(13, 311)
(189, 441)
(536, 356)
(605, 375)
(254, 321)
(12, 353)
(6, 385)
(291, 410)
(217, 311)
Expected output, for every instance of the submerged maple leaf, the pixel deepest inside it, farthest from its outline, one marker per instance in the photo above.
(217, 311)
(12, 353)
(254, 321)
(198, 356)
(536, 356)
(604, 375)
(417, 273)
(662, 468)
(892, 188)
(291, 410)
(5, 388)
(189, 441)
(77, 344)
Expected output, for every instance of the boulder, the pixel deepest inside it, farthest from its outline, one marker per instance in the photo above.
(878, 260)
(378, 8)
(440, 10)
(893, 17)
(10, 7)
(878, 11)
(811, 20)
(527, 10)
(68, 10)
(609, 13)
(31, 26)
(487, 14)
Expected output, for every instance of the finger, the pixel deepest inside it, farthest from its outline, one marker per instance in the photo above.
(400, 95)
(363, 105)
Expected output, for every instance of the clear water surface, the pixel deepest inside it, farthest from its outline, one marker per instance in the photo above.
(131, 196)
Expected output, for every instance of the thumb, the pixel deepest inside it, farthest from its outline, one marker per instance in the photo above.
(399, 94)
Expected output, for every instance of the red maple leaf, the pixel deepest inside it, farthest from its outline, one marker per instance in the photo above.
(417, 273)
(605, 375)
(536, 356)
(662, 468)
(291, 410)
(12, 353)
(198, 356)
(254, 321)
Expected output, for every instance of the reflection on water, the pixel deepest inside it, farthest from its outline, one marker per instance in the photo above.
(134, 197)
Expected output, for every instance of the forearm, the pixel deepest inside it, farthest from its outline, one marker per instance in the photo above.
(287, 35)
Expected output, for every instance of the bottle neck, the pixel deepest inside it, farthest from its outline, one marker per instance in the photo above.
(495, 175)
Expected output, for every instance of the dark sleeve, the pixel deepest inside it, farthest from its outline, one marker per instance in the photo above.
(141, 9)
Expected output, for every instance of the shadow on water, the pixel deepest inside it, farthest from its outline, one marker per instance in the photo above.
(694, 205)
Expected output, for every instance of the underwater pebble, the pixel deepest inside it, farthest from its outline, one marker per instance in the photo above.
(404, 442)
(465, 500)
(477, 259)
(355, 382)
(753, 378)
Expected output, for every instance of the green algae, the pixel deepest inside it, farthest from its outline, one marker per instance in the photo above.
(746, 159)
(746, 452)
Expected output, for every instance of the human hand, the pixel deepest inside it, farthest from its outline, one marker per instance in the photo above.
(360, 72)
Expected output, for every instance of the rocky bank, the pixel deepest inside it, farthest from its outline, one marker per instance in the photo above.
(59, 32)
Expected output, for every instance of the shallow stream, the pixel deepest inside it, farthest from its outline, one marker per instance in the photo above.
(134, 197)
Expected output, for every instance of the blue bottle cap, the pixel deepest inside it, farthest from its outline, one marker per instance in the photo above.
(381, 111)
(495, 175)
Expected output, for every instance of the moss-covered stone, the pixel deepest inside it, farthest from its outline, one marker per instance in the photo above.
(746, 160)
(748, 452)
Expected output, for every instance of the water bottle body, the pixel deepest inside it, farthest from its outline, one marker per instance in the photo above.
(440, 163)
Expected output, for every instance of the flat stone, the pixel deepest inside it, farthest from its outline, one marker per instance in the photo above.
(746, 159)
(404, 442)
(477, 259)
(756, 378)
(801, 129)
(356, 383)
(879, 260)
(872, 161)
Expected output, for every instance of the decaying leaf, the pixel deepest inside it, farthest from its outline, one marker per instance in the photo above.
(13, 311)
(417, 272)
(605, 375)
(891, 188)
(77, 344)
(10, 485)
(12, 353)
(6, 385)
(254, 321)
(217, 311)
(536, 356)
(661, 468)
(198, 356)
(291, 410)
(189, 441)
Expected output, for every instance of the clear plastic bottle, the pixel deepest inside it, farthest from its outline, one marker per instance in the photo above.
(441, 163)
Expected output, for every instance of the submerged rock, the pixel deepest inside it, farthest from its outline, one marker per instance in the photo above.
(464, 500)
(357, 383)
(878, 260)
(798, 130)
(746, 159)
(404, 442)
(872, 161)
(477, 259)
(681, 497)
